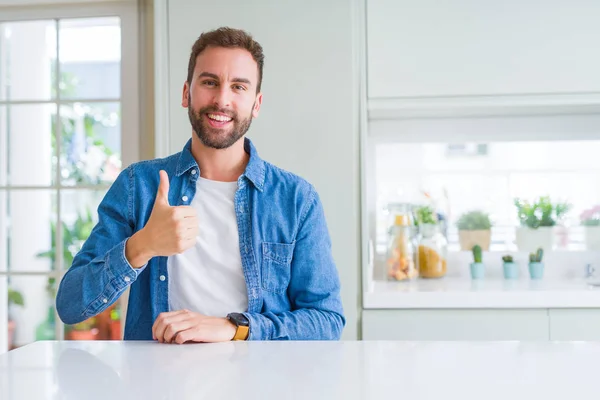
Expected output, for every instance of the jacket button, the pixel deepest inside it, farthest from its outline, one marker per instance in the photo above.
(162, 278)
(184, 198)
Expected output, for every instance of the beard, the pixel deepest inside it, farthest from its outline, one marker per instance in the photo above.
(214, 137)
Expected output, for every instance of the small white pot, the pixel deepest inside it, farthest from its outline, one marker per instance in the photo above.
(592, 237)
(530, 240)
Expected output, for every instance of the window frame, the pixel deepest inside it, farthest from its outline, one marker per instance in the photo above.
(130, 104)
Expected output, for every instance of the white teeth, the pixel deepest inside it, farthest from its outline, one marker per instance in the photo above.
(220, 118)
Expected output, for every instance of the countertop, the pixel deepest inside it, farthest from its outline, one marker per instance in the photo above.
(487, 293)
(301, 370)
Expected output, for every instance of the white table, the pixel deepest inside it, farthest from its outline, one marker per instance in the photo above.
(301, 370)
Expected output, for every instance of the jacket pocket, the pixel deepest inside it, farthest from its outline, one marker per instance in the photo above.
(276, 266)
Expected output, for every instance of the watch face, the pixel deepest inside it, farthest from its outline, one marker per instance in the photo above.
(239, 319)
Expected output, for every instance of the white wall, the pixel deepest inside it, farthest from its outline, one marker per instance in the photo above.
(309, 119)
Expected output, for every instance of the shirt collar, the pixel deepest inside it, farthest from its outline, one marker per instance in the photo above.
(255, 169)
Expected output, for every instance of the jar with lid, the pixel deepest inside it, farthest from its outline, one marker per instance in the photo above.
(401, 260)
(433, 251)
(403, 210)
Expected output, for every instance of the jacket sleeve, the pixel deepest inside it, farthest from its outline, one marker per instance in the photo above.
(100, 272)
(314, 289)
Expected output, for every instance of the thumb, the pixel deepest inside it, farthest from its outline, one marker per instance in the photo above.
(162, 195)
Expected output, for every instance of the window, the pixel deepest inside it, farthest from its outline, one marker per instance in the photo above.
(62, 118)
(490, 181)
(485, 163)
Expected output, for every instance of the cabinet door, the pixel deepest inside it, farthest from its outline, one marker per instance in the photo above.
(455, 325)
(575, 324)
(463, 47)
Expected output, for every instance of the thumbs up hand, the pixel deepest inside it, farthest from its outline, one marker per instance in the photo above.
(169, 230)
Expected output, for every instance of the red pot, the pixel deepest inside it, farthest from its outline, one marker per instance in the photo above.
(11, 333)
(92, 334)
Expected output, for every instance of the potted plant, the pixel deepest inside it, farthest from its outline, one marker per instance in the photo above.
(74, 235)
(474, 228)
(590, 219)
(536, 266)
(15, 298)
(477, 266)
(424, 215)
(85, 330)
(509, 267)
(537, 221)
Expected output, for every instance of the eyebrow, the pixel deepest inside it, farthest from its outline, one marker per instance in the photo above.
(213, 76)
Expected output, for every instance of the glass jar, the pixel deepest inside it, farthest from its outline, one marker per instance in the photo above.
(403, 210)
(401, 258)
(433, 252)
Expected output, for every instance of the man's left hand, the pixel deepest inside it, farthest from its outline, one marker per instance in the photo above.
(187, 326)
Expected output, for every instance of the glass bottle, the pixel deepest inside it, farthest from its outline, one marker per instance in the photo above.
(401, 254)
(433, 252)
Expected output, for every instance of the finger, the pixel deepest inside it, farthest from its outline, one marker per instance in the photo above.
(160, 321)
(164, 325)
(162, 195)
(190, 242)
(185, 212)
(176, 327)
(191, 225)
(188, 335)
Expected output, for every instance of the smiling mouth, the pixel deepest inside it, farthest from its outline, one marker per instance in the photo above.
(218, 117)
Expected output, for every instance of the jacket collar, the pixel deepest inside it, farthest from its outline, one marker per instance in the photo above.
(255, 170)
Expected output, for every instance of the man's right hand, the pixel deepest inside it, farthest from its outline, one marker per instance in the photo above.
(169, 230)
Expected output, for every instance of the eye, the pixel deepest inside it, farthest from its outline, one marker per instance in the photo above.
(209, 83)
(239, 87)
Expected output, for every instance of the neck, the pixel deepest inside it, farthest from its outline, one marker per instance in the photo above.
(224, 165)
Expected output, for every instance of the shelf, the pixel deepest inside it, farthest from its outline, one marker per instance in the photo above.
(492, 293)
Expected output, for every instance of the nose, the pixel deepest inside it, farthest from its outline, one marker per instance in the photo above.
(222, 97)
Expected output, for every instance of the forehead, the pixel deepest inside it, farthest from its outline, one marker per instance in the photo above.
(227, 63)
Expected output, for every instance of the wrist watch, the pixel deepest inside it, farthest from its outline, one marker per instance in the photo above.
(242, 323)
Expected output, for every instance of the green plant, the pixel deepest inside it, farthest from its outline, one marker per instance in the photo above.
(507, 258)
(15, 297)
(537, 256)
(541, 213)
(477, 256)
(425, 215)
(73, 236)
(474, 221)
(86, 325)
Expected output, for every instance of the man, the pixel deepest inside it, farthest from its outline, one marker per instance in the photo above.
(215, 243)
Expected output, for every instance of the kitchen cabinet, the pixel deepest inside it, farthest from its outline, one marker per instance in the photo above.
(433, 324)
(427, 48)
(574, 324)
(499, 324)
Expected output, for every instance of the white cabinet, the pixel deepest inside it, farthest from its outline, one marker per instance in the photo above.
(455, 324)
(482, 48)
(485, 324)
(575, 324)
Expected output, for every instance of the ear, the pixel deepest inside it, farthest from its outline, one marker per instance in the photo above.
(257, 104)
(185, 95)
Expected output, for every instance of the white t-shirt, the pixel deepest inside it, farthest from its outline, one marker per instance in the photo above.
(208, 278)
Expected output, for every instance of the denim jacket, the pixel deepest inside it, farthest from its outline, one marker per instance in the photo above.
(292, 282)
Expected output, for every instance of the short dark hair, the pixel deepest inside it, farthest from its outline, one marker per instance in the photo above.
(229, 38)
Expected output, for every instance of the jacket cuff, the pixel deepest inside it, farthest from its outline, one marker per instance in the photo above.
(120, 268)
(261, 327)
